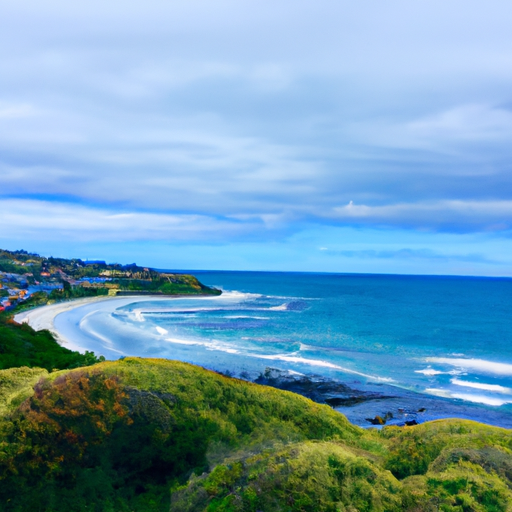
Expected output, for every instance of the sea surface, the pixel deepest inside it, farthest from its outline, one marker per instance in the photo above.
(447, 337)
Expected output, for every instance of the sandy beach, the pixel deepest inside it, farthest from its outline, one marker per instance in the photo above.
(43, 317)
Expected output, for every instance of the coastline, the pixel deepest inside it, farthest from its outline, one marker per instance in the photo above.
(361, 401)
(43, 317)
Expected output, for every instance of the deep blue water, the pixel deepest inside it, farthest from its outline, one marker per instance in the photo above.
(443, 336)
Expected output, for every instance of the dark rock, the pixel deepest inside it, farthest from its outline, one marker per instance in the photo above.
(378, 420)
(318, 389)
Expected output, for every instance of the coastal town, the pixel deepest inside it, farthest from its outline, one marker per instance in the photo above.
(16, 288)
(26, 275)
(13, 289)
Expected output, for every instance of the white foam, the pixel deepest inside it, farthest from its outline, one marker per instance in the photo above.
(429, 371)
(227, 350)
(238, 296)
(236, 317)
(85, 320)
(319, 362)
(474, 364)
(485, 387)
(84, 326)
(439, 392)
(294, 359)
(470, 397)
(481, 399)
(209, 345)
(107, 342)
(161, 330)
(178, 311)
(183, 342)
(292, 372)
(282, 307)
(231, 295)
(138, 315)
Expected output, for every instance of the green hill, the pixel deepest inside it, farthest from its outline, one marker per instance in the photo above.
(148, 434)
(20, 345)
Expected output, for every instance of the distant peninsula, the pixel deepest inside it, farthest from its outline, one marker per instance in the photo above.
(27, 278)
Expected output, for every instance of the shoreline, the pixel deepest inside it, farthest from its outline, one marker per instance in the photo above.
(371, 399)
(381, 404)
(43, 317)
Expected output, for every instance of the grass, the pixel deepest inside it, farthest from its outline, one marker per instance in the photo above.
(20, 345)
(123, 435)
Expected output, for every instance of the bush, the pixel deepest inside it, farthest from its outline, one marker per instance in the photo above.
(20, 345)
(118, 436)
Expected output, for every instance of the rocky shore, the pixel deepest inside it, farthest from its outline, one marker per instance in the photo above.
(375, 404)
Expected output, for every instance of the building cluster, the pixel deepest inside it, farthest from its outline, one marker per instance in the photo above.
(14, 288)
(23, 274)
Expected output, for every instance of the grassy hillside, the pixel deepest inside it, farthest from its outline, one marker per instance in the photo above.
(20, 345)
(148, 434)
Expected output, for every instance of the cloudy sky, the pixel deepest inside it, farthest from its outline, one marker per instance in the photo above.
(286, 135)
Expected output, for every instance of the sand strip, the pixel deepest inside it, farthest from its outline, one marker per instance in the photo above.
(43, 317)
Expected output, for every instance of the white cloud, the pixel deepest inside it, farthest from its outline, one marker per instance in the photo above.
(474, 215)
(267, 114)
(462, 130)
(471, 123)
(40, 220)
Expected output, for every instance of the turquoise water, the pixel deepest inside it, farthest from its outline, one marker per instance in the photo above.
(440, 336)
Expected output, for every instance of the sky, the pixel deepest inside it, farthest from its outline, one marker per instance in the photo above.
(332, 136)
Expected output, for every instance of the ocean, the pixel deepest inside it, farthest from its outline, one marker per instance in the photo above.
(448, 337)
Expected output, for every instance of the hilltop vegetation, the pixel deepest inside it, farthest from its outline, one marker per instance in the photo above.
(20, 345)
(123, 435)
